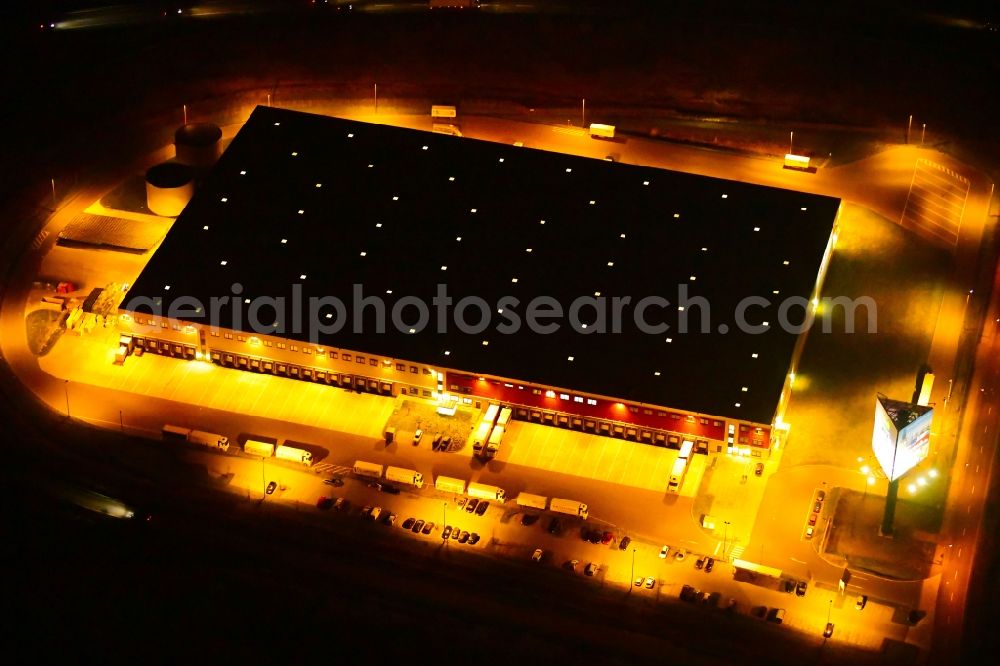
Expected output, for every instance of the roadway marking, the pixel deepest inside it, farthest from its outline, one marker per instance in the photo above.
(959, 555)
(973, 491)
(952, 597)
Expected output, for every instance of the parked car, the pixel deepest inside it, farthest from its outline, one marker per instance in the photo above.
(759, 612)
(758, 469)
(688, 593)
(699, 563)
(324, 503)
(571, 565)
(446, 533)
(463, 537)
(455, 534)
(270, 488)
(607, 538)
(555, 527)
(679, 555)
(817, 506)
(809, 531)
(812, 518)
(828, 631)
(623, 544)
(408, 523)
(730, 604)
(800, 589)
(428, 528)
(537, 555)
(392, 490)
(335, 481)
(341, 504)
(776, 615)
(788, 586)
(665, 550)
(436, 442)
(481, 509)
(390, 519)
(473, 539)
(471, 505)
(650, 582)
(529, 519)
(373, 513)
(446, 443)
(638, 581)
(417, 526)
(416, 436)
(861, 602)
(592, 569)
(709, 565)
(820, 495)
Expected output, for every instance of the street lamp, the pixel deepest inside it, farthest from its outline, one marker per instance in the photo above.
(631, 578)
(725, 535)
(66, 387)
(829, 609)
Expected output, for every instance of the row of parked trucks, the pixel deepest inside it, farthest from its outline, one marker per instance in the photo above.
(481, 491)
(250, 447)
(488, 435)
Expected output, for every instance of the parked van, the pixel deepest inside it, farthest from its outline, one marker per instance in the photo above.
(776, 615)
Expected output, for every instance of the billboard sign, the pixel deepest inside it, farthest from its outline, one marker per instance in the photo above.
(901, 436)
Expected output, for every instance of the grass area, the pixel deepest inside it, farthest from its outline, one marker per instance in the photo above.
(833, 401)
(413, 414)
(44, 328)
(908, 555)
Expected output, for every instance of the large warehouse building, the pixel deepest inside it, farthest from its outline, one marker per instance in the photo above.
(324, 212)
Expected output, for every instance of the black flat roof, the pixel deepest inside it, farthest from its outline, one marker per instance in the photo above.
(328, 203)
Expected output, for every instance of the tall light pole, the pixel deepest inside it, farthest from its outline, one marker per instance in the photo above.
(583, 112)
(53, 193)
(631, 578)
(829, 609)
(185, 114)
(376, 98)
(791, 141)
(66, 387)
(923, 129)
(269, 99)
(725, 535)
(909, 125)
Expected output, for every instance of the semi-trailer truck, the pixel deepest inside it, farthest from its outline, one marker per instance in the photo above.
(362, 468)
(402, 475)
(677, 473)
(481, 437)
(448, 484)
(504, 419)
(533, 501)
(483, 491)
(569, 507)
(493, 446)
(293, 454)
(199, 437)
(255, 448)
(602, 131)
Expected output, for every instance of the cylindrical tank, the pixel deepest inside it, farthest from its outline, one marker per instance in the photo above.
(198, 144)
(169, 187)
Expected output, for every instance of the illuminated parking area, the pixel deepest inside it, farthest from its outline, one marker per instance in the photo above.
(594, 457)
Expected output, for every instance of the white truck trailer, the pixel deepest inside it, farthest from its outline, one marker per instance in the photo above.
(533, 501)
(293, 454)
(677, 473)
(211, 440)
(256, 448)
(569, 507)
(402, 475)
(493, 446)
(362, 468)
(483, 491)
(480, 437)
(448, 484)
